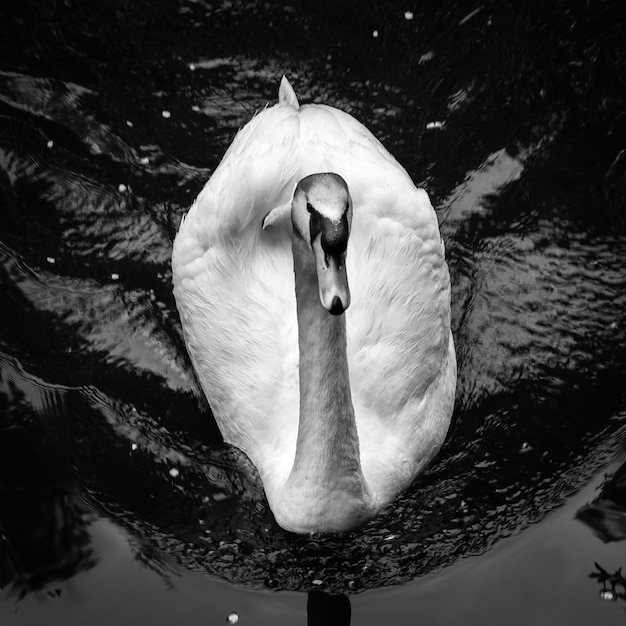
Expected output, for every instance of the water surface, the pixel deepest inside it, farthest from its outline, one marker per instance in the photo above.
(118, 501)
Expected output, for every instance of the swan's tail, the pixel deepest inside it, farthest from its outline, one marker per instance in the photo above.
(286, 94)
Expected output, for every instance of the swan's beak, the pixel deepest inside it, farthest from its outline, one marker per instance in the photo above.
(332, 280)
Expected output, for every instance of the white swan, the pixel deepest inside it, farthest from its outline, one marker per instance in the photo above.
(338, 412)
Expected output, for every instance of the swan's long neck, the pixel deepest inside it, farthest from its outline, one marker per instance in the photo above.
(326, 473)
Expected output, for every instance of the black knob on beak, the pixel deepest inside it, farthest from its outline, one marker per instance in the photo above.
(337, 306)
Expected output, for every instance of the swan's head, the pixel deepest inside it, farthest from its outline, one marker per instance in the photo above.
(321, 213)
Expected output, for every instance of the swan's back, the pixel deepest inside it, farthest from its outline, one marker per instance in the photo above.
(234, 286)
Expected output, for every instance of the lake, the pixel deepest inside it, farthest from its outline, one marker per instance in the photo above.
(119, 501)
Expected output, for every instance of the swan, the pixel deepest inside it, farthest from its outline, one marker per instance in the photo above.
(314, 298)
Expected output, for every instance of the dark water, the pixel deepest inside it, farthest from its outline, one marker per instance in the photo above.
(118, 501)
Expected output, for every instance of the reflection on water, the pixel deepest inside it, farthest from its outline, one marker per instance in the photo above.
(44, 523)
(612, 587)
(44, 540)
(521, 149)
(606, 515)
(324, 609)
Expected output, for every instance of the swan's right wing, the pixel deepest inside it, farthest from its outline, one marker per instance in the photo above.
(234, 287)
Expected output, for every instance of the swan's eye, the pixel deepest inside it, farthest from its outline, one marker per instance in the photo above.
(309, 207)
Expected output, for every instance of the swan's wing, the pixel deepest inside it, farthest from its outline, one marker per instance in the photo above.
(256, 175)
(234, 287)
(400, 353)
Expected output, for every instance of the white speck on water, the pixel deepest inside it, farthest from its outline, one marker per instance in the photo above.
(144, 160)
(51, 259)
(174, 473)
(195, 108)
(408, 15)
(375, 33)
(434, 125)
(526, 447)
(115, 276)
(390, 537)
(129, 124)
(317, 581)
(122, 188)
(427, 56)
(211, 64)
(50, 143)
(166, 114)
(608, 594)
(192, 66)
(133, 446)
(232, 618)
(469, 16)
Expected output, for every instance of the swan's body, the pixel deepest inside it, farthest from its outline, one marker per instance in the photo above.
(367, 395)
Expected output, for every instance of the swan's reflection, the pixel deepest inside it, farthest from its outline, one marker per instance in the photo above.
(325, 609)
